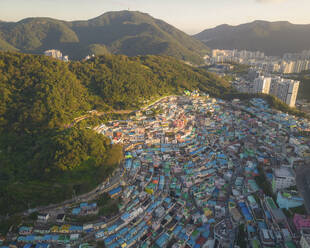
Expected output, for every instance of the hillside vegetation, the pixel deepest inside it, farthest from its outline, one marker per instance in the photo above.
(41, 160)
(123, 32)
(273, 102)
(304, 87)
(273, 38)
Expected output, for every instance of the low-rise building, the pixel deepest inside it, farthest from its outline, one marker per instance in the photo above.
(289, 199)
(284, 177)
(43, 217)
(301, 222)
(305, 239)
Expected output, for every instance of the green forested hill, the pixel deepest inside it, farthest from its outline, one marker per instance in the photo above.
(42, 161)
(125, 82)
(304, 87)
(272, 38)
(123, 32)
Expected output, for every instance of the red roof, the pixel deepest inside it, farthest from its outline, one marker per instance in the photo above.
(201, 240)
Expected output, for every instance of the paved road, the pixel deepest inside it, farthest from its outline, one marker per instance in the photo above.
(124, 111)
(104, 187)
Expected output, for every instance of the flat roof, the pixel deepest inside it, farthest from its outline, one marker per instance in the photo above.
(284, 172)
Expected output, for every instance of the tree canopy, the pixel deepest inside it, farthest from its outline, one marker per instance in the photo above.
(42, 160)
(120, 32)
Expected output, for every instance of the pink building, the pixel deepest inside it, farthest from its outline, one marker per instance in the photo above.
(301, 221)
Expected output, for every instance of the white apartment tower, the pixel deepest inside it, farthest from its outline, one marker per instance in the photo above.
(289, 91)
(274, 85)
(287, 66)
(301, 65)
(262, 85)
(286, 90)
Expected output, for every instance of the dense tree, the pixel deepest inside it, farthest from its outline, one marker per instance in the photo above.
(271, 100)
(120, 32)
(40, 97)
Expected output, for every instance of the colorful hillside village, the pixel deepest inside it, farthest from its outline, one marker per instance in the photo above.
(202, 173)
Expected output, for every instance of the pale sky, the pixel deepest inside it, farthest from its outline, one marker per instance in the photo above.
(191, 16)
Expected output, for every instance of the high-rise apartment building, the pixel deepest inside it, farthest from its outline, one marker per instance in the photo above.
(301, 65)
(287, 91)
(274, 85)
(284, 89)
(288, 67)
(289, 63)
(262, 85)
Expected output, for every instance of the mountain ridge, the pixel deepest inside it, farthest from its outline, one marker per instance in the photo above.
(121, 32)
(273, 38)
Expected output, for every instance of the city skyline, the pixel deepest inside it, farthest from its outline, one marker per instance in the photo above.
(188, 17)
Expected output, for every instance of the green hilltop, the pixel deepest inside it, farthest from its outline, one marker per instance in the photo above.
(123, 32)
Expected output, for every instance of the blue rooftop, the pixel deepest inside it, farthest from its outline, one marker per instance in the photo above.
(162, 240)
(115, 191)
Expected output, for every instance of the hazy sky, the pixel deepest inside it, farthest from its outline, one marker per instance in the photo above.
(190, 16)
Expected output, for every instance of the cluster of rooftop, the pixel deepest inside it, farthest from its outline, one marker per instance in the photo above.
(194, 176)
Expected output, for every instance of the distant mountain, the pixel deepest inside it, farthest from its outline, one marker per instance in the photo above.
(273, 38)
(122, 32)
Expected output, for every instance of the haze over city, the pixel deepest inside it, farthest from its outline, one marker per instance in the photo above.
(189, 16)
